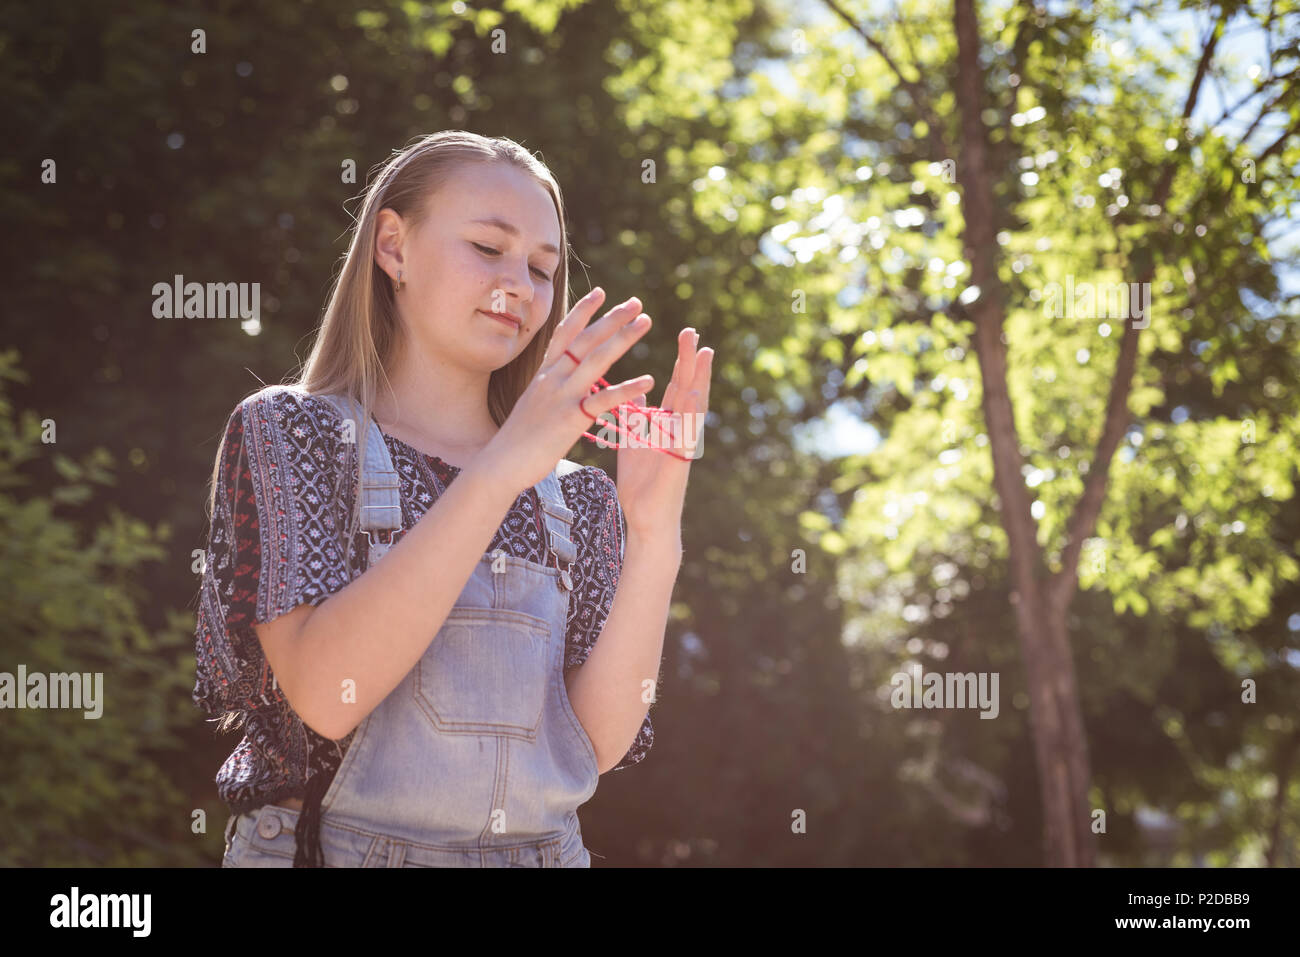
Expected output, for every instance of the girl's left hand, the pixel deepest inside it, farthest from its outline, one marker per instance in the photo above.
(651, 483)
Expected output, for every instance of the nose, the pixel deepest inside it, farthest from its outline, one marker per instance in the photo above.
(516, 290)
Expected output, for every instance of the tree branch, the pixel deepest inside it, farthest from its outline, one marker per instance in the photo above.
(914, 88)
(1278, 143)
(1083, 519)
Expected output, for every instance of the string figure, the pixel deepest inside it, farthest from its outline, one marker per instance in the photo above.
(622, 410)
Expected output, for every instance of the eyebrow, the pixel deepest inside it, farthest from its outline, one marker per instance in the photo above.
(501, 224)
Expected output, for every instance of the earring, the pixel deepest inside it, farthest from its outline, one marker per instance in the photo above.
(397, 286)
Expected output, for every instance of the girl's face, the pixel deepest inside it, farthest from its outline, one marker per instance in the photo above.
(489, 242)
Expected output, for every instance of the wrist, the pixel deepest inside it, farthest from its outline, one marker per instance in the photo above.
(493, 474)
(663, 544)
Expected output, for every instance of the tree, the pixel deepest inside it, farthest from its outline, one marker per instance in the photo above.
(1175, 180)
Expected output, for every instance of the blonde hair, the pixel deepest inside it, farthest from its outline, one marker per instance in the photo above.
(361, 331)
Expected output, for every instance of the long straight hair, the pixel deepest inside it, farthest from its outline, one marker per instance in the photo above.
(361, 331)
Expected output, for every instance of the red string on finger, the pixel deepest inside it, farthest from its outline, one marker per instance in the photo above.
(651, 412)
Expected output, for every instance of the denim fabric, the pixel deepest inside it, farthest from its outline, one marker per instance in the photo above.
(476, 759)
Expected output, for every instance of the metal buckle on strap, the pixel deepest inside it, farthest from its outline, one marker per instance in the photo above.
(392, 535)
(558, 511)
(562, 547)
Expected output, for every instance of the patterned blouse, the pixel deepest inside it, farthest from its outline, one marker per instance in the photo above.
(287, 444)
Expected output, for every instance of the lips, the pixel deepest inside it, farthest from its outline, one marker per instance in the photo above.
(504, 317)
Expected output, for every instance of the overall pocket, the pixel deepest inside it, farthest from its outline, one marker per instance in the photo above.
(486, 672)
(255, 851)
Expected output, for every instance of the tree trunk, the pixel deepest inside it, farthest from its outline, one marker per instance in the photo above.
(1056, 719)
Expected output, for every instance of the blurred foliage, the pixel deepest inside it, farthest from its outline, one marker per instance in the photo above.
(773, 189)
(68, 602)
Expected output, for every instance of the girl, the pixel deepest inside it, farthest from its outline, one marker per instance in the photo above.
(450, 705)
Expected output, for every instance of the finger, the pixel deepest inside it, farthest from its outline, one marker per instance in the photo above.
(674, 382)
(582, 339)
(677, 384)
(572, 325)
(598, 403)
(687, 425)
(618, 338)
(695, 404)
(700, 402)
(578, 339)
(617, 320)
(701, 381)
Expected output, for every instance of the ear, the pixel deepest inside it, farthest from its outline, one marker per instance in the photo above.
(390, 242)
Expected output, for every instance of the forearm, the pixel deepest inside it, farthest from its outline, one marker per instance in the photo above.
(608, 691)
(375, 630)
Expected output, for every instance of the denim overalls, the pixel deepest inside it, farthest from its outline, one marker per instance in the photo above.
(476, 759)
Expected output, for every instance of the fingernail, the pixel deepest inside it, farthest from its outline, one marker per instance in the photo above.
(697, 338)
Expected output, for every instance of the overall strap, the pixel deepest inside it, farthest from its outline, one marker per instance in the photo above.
(558, 518)
(381, 506)
(563, 469)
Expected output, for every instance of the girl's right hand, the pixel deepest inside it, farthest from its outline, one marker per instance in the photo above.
(547, 419)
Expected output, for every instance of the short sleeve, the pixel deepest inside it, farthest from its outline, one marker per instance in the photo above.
(274, 542)
(602, 538)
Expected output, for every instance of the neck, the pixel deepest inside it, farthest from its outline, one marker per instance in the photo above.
(436, 407)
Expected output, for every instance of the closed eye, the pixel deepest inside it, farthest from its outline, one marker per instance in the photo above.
(496, 252)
